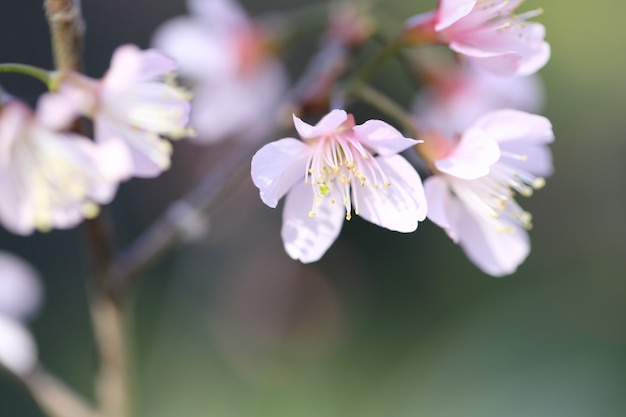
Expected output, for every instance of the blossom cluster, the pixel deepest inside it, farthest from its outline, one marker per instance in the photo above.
(52, 177)
(480, 148)
(473, 120)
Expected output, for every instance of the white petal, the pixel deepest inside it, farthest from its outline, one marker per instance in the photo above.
(18, 351)
(535, 61)
(398, 207)
(512, 125)
(221, 110)
(442, 205)
(473, 156)
(450, 11)
(327, 125)
(198, 52)
(57, 111)
(308, 238)
(383, 138)
(277, 167)
(20, 288)
(495, 252)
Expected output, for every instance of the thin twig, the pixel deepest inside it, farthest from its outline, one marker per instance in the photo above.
(112, 381)
(54, 397)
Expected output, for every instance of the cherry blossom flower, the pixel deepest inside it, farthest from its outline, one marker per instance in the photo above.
(337, 167)
(237, 81)
(134, 105)
(49, 179)
(20, 296)
(457, 97)
(472, 194)
(486, 33)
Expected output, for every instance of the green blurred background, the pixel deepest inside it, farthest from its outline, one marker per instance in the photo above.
(386, 324)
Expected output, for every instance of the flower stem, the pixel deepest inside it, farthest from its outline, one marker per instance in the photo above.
(39, 73)
(107, 305)
(55, 398)
(386, 105)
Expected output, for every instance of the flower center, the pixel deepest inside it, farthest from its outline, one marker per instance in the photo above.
(494, 194)
(338, 162)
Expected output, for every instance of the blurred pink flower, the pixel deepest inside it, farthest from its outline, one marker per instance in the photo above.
(20, 296)
(49, 179)
(456, 98)
(486, 33)
(133, 105)
(330, 171)
(237, 82)
(472, 194)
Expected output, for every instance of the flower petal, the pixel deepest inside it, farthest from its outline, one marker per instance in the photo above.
(398, 207)
(20, 288)
(308, 238)
(383, 138)
(495, 252)
(327, 125)
(450, 11)
(18, 351)
(513, 125)
(473, 156)
(443, 207)
(277, 166)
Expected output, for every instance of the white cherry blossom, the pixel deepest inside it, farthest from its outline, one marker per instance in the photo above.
(336, 169)
(472, 195)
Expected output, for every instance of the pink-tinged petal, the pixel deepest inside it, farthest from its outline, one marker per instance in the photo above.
(536, 61)
(277, 167)
(15, 115)
(328, 125)
(450, 11)
(150, 155)
(473, 156)
(114, 160)
(125, 70)
(398, 207)
(20, 288)
(494, 251)
(18, 352)
(155, 64)
(308, 238)
(197, 52)
(226, 13)
(226, 109)
(443, 207)
(382, 138)
(515, 125)
(15, 215)
(537, 159)
(57, 111)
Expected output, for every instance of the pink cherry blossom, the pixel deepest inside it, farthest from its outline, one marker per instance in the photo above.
(49, 179)
(337, 168)
(133, 105)
(472, 194)
(20, 296)
(237, 81)
(456, 97)
(486, 33)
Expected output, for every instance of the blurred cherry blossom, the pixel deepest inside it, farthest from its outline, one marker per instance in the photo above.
(456, 97)
(20, 297)
(237, 82)
(49, 179)
(133, 105)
